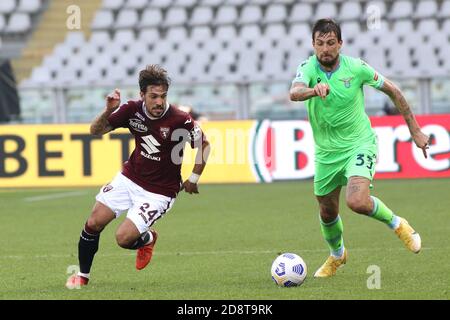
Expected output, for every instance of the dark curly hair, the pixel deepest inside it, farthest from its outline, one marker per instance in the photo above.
(324, 26)
(153, 75)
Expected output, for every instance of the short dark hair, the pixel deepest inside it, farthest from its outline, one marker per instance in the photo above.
(324, 26)
(153, 75)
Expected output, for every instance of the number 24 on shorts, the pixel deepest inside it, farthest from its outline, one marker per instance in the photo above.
(151, 214)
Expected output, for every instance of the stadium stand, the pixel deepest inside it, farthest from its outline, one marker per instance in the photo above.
(235, 41)
(173, 27)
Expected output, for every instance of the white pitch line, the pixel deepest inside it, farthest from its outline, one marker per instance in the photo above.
(55, 196)
(197, 253)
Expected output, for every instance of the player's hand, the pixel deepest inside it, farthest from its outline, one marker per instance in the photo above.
(321, 90)
(422, 141)
(113, 100)
(189, 187)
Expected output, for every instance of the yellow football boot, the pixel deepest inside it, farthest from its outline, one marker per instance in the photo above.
(409, 236)
(328, 269)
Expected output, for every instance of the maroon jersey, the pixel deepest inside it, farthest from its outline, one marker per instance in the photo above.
(153, 165)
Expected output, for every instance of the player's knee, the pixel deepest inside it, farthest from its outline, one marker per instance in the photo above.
(328, 214)
(124, 240)
(94, 224)
(358, 205)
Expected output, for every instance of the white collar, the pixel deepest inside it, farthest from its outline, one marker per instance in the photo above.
(144, 109)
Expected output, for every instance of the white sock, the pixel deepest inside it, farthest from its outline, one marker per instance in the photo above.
(84, 275)
(395, 222)
(150, 239)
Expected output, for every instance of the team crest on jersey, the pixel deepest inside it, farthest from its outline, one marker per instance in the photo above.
(346, 81)
(107, 188)
(137, 125)
(164, 131)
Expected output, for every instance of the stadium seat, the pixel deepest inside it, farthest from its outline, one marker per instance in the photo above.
(148, 36)
(274, 30)
(177, 34)
(76, 61)
(2, 23)
(262, 45)
(89, 51)
(425, 57)
(444, 11)
(275, 13)
(19, 23)
(250, 32)
(40, 75)
(124, 37)
(226, 32)
(75, 39)
(261, 2)
(201, 33)
(103, 19)
(235, 2)
(376, 57)
(112, 4)
(136, 4)
(210, 3)
(325, 10)
(115, 73)
(300, 31)
(300, 12)
(250, 15)
(161, 4)
(400, 61)
(201, 16)
(212, 46)
(428, 27)
(426, 9)
(226, 15)
(7, 6)
(151, 17)
(350, 29)
(184, 3)
(29, 6)
(352, 51)
(126, 19)
(446, 26)
(350, 11)
(401, 9)
(402, 27)
(100, 38)
(175, 16)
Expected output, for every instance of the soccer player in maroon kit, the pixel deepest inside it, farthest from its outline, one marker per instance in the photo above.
(150, 180)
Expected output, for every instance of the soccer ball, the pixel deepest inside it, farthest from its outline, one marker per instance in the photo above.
(288, 270)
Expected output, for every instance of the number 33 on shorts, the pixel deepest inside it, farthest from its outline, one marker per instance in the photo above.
(364, 165)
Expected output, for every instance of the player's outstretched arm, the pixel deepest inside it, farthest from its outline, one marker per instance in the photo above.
(300, 92)
(100, 125)
(190, 185)
(420, 139)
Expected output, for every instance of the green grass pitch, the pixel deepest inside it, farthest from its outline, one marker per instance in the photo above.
(221, 244)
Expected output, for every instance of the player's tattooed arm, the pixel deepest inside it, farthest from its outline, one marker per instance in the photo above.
(299, 91)
(420, 139)
(100, 125)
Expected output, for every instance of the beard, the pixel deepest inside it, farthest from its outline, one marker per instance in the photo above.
(328, 63)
